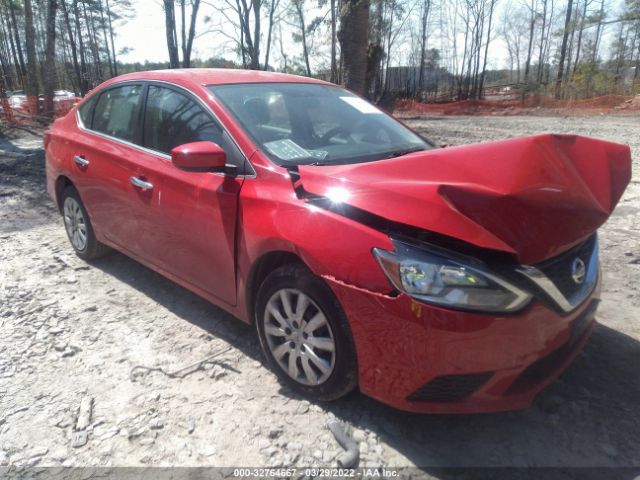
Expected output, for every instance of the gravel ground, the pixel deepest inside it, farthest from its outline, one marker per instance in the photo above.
(76, 338)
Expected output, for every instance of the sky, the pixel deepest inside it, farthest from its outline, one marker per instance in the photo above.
(144, 34)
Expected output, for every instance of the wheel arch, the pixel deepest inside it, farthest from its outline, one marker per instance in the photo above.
(62, 182)
(261, 268)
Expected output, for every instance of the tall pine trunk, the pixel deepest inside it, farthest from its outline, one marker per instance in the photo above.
(563, 51)
(50, 57)
(72, 45)
(113, 47)
(354, 29)
(334, 64)
(170, 27)
(32, 60)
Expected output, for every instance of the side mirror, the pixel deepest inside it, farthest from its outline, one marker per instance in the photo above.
(199, 157)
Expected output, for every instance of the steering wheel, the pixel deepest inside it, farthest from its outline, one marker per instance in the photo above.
(324, 139)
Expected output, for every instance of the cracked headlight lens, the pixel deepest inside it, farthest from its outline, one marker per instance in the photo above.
(434, 278)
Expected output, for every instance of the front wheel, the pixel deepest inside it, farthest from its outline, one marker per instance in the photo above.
(305, 335)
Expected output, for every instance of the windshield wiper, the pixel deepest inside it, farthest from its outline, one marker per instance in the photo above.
(406, 151)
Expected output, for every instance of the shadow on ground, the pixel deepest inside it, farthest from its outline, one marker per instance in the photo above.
(587, 418)
(22, 183)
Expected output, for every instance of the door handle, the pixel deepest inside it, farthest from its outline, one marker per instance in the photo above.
(142, 184)
(81, 161)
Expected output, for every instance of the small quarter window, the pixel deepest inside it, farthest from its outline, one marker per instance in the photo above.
(173, 119)
(85, 110)
(116, 112)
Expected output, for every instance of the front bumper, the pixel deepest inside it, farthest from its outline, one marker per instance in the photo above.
(421, 358)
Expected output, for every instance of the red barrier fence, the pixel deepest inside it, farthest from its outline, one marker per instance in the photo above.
(22, 110)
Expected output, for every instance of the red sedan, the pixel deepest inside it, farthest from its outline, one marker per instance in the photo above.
(436, 280)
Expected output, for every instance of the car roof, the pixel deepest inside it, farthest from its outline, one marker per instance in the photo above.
(214, 76)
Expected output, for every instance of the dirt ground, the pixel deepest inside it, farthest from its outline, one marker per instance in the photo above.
(73, 338)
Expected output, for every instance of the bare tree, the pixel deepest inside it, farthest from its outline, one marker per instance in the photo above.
(49, 58)
(32, 60)
(272, 10)
(170, 30)
(532, 25)
(187, 38)
(354, 28)
(299, 8)
(334, 24)
(563, 50)
(424, 18)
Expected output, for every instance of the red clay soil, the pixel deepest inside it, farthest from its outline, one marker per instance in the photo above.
(532, 106)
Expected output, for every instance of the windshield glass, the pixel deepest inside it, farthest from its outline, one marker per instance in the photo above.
(297, 123)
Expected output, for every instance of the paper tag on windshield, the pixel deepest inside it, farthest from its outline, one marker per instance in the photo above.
(286, 149)
(361, 105)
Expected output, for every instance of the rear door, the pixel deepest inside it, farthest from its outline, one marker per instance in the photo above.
(189, 227)
(104, 155)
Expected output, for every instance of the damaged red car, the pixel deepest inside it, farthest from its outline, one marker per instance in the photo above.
(447, 280)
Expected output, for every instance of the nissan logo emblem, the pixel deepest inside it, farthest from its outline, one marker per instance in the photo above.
(578, 271)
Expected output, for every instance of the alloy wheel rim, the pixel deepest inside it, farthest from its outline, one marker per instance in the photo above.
(75, 224)
(299, 337)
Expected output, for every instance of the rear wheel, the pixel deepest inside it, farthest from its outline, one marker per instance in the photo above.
(305, 335)
(78, 227)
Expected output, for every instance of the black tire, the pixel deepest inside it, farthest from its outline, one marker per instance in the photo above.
(344, 376)
(92, 248)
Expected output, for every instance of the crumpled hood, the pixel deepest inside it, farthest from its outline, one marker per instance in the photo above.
(533, 197)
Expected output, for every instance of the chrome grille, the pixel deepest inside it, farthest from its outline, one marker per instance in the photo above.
(554, 277)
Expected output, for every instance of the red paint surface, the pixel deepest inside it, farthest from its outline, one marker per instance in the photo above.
(532, 197)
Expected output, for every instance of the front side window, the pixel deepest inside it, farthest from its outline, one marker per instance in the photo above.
(297, 123)
(116, 112)
(173, 119)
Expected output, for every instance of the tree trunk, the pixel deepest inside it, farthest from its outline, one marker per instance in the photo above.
(106, 40)
(93, 44)
(334, 65)
(303, 34)
(113, 47)
(486, 49)
(83, 63)
(50, 57)
(541, 51)
(72, 45)
(426, 6)
(272, 10)
(186, 56)
(255, 57)
(183, 30)
(23, 68)
(527, 66)
(596, 43)
(4, 101)
(563, 51)
(170, 30)
(578, 47)
(8, 49)
(354, 28)
(32, 60)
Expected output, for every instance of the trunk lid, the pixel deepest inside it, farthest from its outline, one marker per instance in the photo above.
(533, 197)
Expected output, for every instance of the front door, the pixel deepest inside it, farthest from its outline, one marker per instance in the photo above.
(189, 226)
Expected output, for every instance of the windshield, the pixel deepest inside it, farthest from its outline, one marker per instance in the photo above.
(297, 123)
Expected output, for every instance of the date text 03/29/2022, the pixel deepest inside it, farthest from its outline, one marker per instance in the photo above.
(383, 472)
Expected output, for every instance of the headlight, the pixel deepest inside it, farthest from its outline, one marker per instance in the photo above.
(435, 278)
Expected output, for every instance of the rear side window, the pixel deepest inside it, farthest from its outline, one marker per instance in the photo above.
(116, 112)
(173, 119)
(85, 110)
